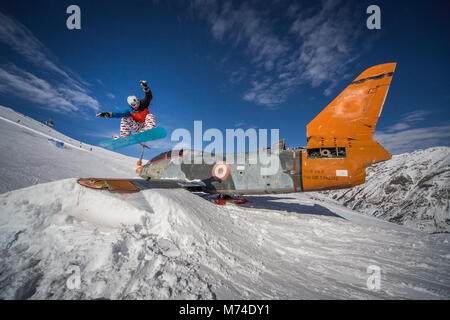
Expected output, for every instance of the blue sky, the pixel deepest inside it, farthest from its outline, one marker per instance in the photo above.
(247, 64)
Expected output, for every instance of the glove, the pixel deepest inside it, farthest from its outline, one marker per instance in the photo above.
(104, 115)
(144, 86)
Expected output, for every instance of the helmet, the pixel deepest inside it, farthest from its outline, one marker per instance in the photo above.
(133, 101)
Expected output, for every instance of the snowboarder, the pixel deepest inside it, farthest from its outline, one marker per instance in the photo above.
(136, 117)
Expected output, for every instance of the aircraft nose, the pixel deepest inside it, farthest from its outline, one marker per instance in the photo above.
(150, 171)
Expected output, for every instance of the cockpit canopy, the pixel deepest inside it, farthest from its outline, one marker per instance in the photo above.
(167, 155)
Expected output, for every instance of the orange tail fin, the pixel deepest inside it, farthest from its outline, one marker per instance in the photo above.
(354, 113)
(340, 144)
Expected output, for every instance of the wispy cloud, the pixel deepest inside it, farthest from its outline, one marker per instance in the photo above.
(408, 120)
(19, 38)
(315, 49)
(24, 84)
(239, 124)
(237, 76)
(59, 98)
(245, 26)
(328, 40)
(413, 139)
(407, 135)
(65, 91)
(417, 115)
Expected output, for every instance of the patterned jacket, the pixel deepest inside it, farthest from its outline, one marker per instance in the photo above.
(139, 114)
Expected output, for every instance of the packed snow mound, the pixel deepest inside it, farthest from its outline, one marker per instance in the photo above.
(412, 189)
(33, 153)
(59, 240)
(172, 244)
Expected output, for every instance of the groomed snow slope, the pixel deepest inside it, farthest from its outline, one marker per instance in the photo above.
(172, 244)
(28, 157)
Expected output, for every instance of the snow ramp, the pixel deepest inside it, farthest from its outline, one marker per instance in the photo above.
(59, 240)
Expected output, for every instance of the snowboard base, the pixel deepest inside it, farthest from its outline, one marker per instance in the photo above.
(144, 136)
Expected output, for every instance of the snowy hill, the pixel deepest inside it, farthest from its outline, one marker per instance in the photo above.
(174, 244)
(31, 155)
(412, 189)
(59, 240)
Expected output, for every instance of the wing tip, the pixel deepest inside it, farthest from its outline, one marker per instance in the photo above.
(377, 70)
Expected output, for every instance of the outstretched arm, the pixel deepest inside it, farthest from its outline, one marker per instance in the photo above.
(122, 113)
(104, 115)
(145, 102)
(125, 112)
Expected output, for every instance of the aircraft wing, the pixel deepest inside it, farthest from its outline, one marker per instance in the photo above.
(136, 185)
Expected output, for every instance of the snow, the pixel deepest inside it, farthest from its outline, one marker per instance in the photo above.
(412, 189)
(28, 157)
(173, 244)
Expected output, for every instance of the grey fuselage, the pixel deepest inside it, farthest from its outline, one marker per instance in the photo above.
(233, 177)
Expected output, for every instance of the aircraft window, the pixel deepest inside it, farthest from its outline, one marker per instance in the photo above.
(159, 157)
(174, 154)
(327, 153)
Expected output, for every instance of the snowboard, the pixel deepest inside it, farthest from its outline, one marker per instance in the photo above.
(152, 134)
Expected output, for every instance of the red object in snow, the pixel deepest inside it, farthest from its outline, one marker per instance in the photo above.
(224, 201)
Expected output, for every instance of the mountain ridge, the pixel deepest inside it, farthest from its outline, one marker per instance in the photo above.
(412, 189)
